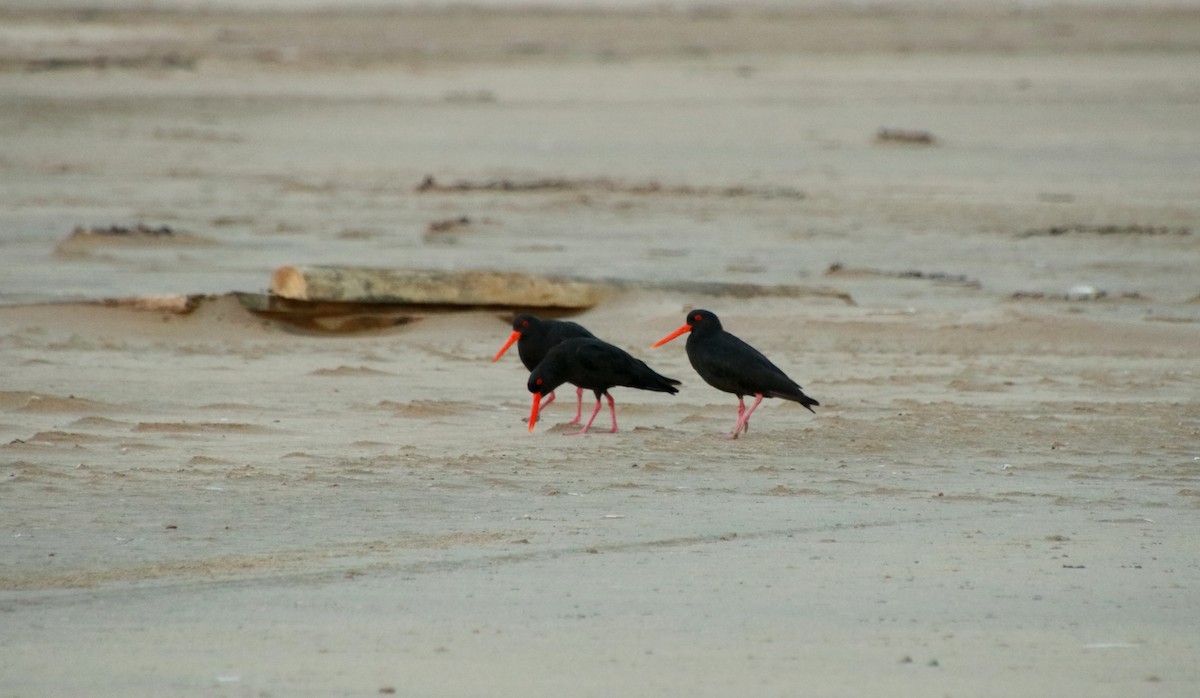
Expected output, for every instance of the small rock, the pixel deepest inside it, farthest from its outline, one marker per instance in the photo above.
(1083, 292)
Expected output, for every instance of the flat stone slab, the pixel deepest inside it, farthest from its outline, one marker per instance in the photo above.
(430, 287)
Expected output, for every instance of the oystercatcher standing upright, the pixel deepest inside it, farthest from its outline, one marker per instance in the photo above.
(534, 337)
(729, 364)
(597, 365)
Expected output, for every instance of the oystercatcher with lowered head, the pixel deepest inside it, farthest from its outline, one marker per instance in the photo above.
(597, 365)
(729, 364)
(534, 337)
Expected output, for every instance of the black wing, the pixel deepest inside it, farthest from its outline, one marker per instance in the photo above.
(728, 363)
(599, 366)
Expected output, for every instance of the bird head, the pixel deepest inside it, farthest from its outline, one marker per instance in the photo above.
(521, 323)
(697, 320)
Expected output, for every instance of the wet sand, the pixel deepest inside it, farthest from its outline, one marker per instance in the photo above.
(999, 494)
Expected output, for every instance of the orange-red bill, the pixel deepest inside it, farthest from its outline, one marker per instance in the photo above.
(673, 335)
(512, 338)
(533, 412)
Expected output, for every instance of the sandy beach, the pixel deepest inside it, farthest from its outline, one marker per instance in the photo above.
(973, 234)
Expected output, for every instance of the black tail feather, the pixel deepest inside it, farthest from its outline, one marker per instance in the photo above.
(800, 397)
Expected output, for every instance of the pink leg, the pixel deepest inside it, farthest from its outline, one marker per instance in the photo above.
(743, 422)
(737, 424)
(546, 401)
(589, 422)
(578, 406)
(612, 407)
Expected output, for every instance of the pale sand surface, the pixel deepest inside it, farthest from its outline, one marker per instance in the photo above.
(998, 496)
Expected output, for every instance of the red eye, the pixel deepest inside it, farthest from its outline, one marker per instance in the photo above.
(696, 317)
(524, 323)
(538, 381)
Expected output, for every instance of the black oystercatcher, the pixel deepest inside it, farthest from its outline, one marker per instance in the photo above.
(596, 365)
(535, 337)
(727, 363)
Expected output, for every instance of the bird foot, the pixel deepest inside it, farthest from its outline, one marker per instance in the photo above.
(583, 431)
(738, 429)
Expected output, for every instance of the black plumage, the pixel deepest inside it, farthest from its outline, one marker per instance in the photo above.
(598, 366)
(535, 337)
(729, 364)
